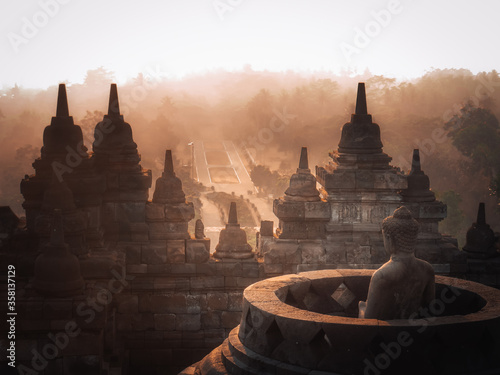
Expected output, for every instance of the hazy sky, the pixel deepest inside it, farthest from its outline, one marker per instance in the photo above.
(44, 42)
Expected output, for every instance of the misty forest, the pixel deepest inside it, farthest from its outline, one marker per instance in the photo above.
(450, 115)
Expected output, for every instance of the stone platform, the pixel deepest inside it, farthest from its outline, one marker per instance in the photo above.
(306, 324)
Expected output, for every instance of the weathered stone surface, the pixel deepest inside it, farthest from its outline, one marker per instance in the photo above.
(235, 300)
(217, 301)
(179, 212)
(164, 322)
(197, 251)
(266, 228)
(312, 252)
(335, 253)
(188, 322)
(128, 304)
(230, 319)
(155, 212)
(211, 319)
(154, 253)
(204, 282)
(283, 252)
(358, 254)
(133, 253)
(176, 251)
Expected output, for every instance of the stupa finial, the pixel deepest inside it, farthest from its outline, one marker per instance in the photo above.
(304, 163)
(62, 102)
(233, 214)
(114, 104)
(361, 108)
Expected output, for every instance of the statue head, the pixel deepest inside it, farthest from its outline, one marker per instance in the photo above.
(400, 232)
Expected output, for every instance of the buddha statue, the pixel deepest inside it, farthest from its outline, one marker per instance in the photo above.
(404, 284)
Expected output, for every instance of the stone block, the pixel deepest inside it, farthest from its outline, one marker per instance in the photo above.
(273, 268)
(155, 212)
(177, 230)
(194, 302)
(288, 210)
(234, 301)
(317, 210)
(131, 212)
(137, 268)
(283, 252)
(335, 253)
(197, 251)
(208, 269)
(231, 268)
(139, 232)
(175, 303)
(188, 322)
(340, 180)
(182, 268)
(135, 322)
(246, 281)
(127, 304)
(217, 301)
(176, 251)
(154, 253)
(211, 319)
(164, 322)
(157, 268)
(133, 253)
(158, 231)
(267, 228)
(289, 268)
(312, 253)
(358, 254)
(204, 282)
(183, 212)
(172, 283)
(230, 319)
(250, 269)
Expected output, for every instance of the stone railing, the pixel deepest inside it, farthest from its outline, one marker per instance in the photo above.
(308, 321)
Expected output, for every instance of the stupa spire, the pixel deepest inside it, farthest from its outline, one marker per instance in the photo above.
(361, 108)
(114, 105)
(62, 102)
(481, 215)
(233, 214)
(415, 163)
(169, 164)
(304, 162)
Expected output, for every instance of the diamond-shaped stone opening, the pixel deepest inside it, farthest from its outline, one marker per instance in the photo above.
(313, 302)
(320, 347)
(273, 335)
(343, 296)
(292, 301)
